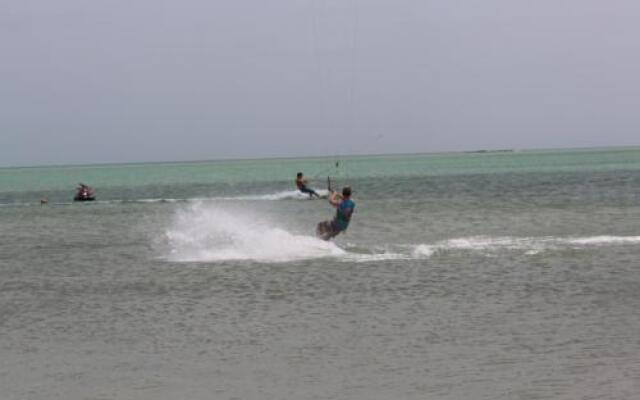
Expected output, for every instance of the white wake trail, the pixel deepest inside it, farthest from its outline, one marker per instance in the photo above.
(529, 245)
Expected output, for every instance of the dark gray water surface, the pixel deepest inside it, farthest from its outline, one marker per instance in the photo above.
(505, 285)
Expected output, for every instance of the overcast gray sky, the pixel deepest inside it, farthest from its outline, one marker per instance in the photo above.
(149, 80)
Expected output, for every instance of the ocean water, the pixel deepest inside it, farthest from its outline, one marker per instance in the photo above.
(504, 275)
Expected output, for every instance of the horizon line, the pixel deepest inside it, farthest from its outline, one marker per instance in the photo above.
(199, 161)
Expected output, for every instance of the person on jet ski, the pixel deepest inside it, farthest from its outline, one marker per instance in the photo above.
(84, 192)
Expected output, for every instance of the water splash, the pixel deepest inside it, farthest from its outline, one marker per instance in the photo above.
(209, 232)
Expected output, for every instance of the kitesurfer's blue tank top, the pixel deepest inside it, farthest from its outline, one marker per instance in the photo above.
(343, 214)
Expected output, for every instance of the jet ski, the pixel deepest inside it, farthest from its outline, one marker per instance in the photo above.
(84, 193)
(84, 197)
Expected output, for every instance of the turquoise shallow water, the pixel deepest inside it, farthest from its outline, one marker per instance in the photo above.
(508, 275)
(64, 178)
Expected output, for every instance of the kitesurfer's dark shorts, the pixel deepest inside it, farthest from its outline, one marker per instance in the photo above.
(327, 230)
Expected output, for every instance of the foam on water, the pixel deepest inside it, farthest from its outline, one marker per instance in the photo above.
(204, 231)
(529, 245)
(604, 240)
(375, 257)
(207, 232)
(284, 195)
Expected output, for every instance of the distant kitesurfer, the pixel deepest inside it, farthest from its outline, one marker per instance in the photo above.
(301, 183)
(344, 209)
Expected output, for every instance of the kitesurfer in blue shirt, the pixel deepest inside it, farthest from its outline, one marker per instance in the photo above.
(344, 209)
